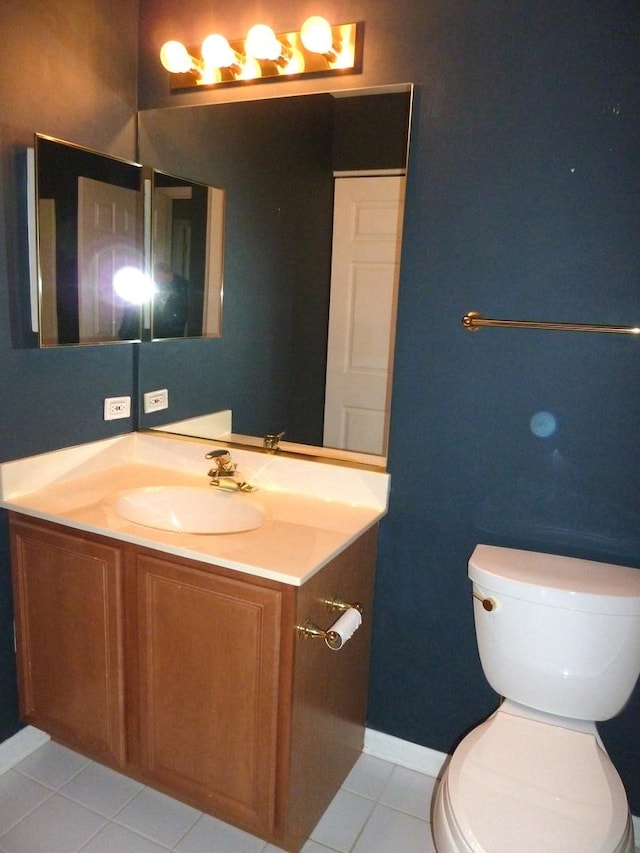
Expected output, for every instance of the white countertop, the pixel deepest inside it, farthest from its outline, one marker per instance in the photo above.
(313, 510)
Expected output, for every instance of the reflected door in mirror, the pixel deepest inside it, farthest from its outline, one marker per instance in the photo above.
(367, 237)
(108, 229)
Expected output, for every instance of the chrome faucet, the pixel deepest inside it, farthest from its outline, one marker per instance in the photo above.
(225, 474)
(271, 440)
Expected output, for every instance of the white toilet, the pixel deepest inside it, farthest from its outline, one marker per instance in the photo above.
(559, 639)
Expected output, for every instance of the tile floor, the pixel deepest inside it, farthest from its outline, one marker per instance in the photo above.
(56, 801)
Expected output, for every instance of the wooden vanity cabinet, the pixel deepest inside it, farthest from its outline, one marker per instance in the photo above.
(193, 678)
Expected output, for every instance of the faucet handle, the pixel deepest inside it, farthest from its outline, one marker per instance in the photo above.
(224, 474)
(272, 439)
(216, 454)
(222, 459)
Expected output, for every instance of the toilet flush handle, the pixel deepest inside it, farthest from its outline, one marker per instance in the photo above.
(488, 603)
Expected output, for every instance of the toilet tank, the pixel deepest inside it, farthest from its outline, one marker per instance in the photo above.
(558, 634)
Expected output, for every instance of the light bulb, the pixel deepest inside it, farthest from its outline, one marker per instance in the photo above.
(263, 43)
(175, 57)
(209, 75)
(249, 69)
(316, 35)
(217, 52)
(132, 285)
(295, 65)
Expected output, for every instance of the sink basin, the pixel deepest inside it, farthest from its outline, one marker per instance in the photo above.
(189, 509)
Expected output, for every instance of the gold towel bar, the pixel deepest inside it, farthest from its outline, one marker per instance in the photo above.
(473, 321)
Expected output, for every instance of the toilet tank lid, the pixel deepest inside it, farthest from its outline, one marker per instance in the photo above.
(557, 581)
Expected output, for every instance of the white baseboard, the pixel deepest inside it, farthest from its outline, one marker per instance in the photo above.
(15, 748)
(404, 753)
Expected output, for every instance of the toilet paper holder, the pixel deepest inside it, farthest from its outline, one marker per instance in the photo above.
(334, 603)
(335, 636)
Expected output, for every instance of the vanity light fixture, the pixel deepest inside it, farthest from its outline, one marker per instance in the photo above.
(317, 49)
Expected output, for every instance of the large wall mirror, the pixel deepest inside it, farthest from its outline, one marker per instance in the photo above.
(314, 192)
(123, 253)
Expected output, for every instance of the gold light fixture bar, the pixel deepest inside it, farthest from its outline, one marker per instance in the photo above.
(317, 49)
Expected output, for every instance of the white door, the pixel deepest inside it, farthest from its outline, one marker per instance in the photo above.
(108, 240)
(367, 235)
(212, 314)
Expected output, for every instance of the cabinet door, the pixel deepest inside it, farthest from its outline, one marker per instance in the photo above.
(208, 673)
(69, 637)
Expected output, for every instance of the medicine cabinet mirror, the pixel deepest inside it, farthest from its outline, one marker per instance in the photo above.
(187, 257)
(287, 164)
(89, 226)
(105, 273)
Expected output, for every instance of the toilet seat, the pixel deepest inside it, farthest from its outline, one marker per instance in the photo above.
(521, 784)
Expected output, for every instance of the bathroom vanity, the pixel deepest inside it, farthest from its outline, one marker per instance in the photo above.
(177, 658)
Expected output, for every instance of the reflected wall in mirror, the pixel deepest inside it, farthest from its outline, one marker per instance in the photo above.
(187, 257)
(280, 161)
(89, 243)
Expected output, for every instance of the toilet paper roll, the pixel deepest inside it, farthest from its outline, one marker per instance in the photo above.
(345, 627)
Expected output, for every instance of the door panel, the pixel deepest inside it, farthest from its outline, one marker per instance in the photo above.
(364, 281)
(107, 242)
(70, 638)
(209, 668)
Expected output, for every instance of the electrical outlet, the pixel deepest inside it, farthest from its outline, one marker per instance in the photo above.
(117, 407)
(154, 401)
